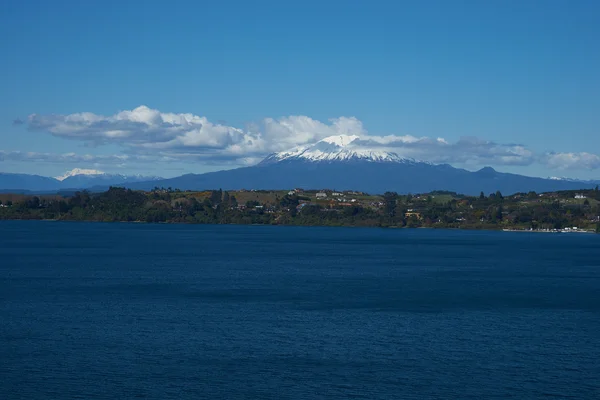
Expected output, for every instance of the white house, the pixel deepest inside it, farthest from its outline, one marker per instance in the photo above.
(580, 196)
(321, 195)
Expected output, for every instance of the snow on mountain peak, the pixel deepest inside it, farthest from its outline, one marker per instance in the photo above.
(338, 148)
(565, 179)
(341, 140)
(78, 171)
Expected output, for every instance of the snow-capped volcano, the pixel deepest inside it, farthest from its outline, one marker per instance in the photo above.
(337, 148)
(78, 171)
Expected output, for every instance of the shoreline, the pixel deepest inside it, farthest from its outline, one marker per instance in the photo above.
(315, 226)
(548, 230)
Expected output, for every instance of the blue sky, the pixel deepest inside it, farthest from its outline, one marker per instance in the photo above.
(511, 84)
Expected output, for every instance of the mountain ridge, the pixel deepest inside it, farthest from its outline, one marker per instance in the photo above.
(343, 162)
(70, 180)
(362, 176)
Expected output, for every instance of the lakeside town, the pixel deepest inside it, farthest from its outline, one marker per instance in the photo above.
(565, 212)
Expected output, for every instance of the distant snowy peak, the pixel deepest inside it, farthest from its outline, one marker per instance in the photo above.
(87, 178)
(95, 174)
(78, 171)
(337, 148)
(558, 178)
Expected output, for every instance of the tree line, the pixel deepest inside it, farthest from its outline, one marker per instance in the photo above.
(493, 211)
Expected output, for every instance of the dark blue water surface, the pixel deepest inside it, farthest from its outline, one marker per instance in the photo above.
(91, 310)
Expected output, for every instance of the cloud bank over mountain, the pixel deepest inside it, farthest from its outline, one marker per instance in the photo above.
(572, 161)
(74, 158)
(149, 135)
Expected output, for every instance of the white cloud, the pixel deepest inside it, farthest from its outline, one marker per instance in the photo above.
(149, 135)
(146, 130)
(287, 132)
(74, 158)
(467, 150)
(138, 126)
(572, 160)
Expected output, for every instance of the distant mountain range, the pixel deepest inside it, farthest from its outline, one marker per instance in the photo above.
(343, 163)
(74, 179)
(337, 162)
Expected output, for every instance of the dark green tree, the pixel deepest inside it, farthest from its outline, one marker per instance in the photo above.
(226, 199)
(499, 212)
(81, 199)
(389, 203)
(289, 201)
(216, 196)
(33, 202)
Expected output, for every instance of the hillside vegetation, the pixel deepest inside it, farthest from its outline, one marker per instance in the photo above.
(564, 210)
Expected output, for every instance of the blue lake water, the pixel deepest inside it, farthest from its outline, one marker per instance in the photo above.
(92, 310)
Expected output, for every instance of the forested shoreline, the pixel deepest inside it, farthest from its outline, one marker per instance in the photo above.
(569, 210)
